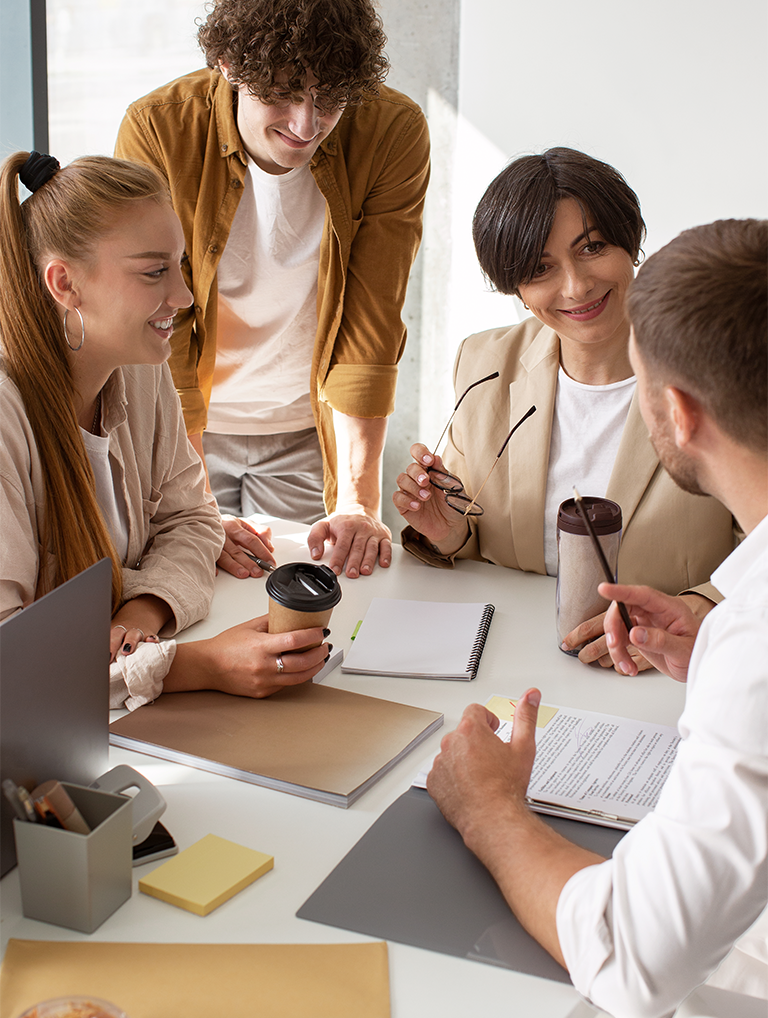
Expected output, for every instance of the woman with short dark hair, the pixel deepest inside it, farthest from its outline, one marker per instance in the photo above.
(562, 231)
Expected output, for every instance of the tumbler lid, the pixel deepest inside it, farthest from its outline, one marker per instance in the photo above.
(304, 587)
(604, 515)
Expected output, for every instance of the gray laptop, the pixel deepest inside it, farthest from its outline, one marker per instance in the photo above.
(54, 690)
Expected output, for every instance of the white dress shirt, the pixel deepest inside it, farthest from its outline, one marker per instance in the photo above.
(641, 930)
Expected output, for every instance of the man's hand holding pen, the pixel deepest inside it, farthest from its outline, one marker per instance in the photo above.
(664, 629)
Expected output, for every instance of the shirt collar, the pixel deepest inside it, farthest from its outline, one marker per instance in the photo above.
(752, 549)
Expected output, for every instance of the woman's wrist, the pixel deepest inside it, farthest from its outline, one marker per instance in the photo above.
(194, 667)
(146, 612)
(455, 540)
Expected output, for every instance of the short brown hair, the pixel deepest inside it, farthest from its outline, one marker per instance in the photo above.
(340, 41)
(699, 310)
(516, 213)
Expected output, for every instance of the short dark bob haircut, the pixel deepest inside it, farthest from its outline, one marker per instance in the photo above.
(516, 213)
(340, 41)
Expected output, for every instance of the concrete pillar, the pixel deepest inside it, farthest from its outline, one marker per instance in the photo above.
(423, 49)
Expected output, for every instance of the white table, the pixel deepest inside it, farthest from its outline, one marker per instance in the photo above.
(307, 838)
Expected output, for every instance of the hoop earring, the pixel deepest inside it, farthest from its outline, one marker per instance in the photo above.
(74, 349)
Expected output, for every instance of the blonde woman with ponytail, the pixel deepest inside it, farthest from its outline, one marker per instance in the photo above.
(94, 458)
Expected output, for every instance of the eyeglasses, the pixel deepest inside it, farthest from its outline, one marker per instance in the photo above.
(452, 487)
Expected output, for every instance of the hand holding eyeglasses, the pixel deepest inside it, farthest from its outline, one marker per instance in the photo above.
(446, 521)
(424, 506)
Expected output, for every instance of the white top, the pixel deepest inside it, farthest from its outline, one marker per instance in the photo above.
(586, 432)
(641, 930)
(267, 314)
(109, 489)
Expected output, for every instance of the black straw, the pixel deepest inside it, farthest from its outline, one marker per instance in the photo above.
(601, 555)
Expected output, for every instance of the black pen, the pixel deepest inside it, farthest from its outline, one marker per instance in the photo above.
(267, 566)
(610, 578)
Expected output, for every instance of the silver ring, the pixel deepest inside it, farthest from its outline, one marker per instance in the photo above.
(140, 631)
(280, 665)
(118, 626)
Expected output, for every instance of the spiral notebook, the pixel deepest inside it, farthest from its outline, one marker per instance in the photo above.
(420, 639)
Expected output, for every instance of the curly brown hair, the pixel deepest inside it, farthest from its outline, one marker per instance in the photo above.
(340, 41)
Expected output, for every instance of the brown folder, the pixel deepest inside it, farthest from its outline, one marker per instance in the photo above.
(202, 980)
(311, 740)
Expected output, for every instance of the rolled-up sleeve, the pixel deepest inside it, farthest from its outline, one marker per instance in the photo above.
(362, 374)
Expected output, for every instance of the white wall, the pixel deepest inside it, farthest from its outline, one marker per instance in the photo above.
(673, 93)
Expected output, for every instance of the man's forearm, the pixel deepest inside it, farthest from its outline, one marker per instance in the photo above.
(359, 451)
(531, 864)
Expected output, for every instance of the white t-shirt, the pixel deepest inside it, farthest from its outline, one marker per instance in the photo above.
(641, 930)
(109, 492)
(267, 313)
(586, 432)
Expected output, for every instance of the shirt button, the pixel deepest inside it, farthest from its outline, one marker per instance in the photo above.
(198, 308)
(224, 147)
(213, 248)
(235, 183)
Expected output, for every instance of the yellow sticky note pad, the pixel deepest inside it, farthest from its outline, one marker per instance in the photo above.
(206, 874)
(504, 709)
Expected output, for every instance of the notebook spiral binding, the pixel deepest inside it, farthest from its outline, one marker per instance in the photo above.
(479, 644)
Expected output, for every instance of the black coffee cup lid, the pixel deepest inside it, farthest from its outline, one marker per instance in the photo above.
(304, 587)
(604, 515)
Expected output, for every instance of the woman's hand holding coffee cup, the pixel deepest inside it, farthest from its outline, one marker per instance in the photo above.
(243, 660)
(260, 657)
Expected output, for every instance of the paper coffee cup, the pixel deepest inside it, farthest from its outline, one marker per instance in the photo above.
(302, 595)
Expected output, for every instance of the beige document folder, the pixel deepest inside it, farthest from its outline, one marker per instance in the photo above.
(201, 980)
(311, 740)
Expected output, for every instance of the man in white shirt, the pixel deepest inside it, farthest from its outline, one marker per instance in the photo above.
(639, 931)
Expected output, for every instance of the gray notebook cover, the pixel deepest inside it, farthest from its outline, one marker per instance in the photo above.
(411, 879)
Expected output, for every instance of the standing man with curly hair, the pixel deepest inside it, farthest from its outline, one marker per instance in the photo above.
(299, 179)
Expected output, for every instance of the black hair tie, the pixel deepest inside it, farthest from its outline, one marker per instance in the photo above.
(38, 170)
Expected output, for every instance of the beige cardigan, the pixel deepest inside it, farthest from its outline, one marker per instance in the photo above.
(174, 529)
(671, 540)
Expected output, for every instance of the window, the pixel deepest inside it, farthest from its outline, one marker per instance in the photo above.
(103, 54)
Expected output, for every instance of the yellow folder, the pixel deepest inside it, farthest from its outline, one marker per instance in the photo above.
(202, 980)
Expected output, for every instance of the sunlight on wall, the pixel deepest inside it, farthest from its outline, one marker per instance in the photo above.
(457, 300)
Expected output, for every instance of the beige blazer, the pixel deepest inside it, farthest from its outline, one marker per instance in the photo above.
(671, 540)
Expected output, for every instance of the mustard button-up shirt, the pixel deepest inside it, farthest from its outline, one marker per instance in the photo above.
(372, 170)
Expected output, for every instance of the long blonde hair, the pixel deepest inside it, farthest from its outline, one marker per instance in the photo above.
(65, 217)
